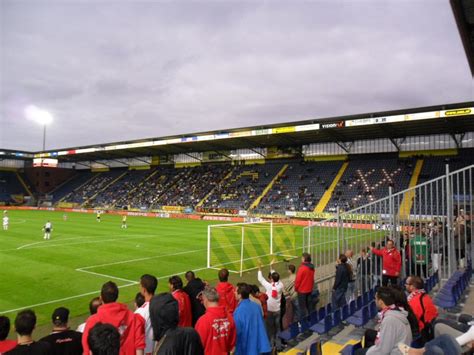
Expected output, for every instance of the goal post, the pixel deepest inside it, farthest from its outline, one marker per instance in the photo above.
(240, 246)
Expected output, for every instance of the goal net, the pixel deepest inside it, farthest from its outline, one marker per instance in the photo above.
(240, 246)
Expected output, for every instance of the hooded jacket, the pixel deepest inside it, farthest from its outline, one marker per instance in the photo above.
(217, 331)
(391, 261)
(131, 327)
(394, 329)
(164, 316)
(227, 299)
(304, 282)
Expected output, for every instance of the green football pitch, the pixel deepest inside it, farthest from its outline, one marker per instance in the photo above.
(69, 269)
(82, 254)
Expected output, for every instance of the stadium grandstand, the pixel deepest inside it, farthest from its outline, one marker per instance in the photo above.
(351, 182)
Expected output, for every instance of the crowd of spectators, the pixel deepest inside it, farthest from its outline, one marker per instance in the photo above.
(194, 184)
(86, 191)
(300, 187)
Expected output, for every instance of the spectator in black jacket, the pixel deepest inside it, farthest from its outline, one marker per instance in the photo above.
(62, 339)
(364, 271)
(194, 288)
(343, 276)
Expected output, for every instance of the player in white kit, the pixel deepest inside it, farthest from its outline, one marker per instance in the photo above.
(47, 229)
(5, 223)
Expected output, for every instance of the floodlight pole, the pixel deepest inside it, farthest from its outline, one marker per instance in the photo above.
(44, 137)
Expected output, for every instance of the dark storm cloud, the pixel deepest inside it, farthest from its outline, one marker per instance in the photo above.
(111, 71)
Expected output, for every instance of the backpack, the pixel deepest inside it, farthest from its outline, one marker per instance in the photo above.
(427, 333)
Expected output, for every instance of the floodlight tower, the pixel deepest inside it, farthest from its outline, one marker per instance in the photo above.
(41, 116)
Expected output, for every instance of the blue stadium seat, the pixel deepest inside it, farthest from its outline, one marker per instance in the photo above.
(290, 333)
(372, 309)
(345, 311)
(323, 326)
(359, 302)
(360, 317)
(336, 318)
(352, 307)
(321, 313)
(351, 349)
(313, 318)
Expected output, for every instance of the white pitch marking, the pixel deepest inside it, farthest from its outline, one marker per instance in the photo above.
(58, 300)
(51, 244)
(105, 275)
(90, 293)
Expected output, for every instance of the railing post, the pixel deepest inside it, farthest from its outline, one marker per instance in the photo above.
(451, 257)
(339, 226)
(392, 218)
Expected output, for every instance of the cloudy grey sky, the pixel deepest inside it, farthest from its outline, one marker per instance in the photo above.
(120, 70)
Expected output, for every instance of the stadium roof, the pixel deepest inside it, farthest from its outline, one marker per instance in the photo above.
(445, 119)
(464, 14)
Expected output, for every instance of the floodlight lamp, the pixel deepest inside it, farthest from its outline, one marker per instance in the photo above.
(39, 115)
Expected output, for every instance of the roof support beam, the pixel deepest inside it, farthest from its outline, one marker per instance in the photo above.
(257, 152)
(224, 155)
(189, 155)
(395, 143)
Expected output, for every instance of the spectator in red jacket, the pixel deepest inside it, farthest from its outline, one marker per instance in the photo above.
(184, 303)
(391, 263)
(304, 284)
(131, 326)
(216, 327)
(226, 292)
(5, 344)
(414, 285)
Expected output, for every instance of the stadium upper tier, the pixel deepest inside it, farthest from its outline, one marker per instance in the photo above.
(276, 187)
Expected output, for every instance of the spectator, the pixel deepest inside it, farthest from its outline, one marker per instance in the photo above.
(351, 286)
(104, 339)
(421, 304)
(289, 283)
(252, 338)
(304, 284)
(148, 285)
(401, 302)
(291, 297)
(25, 323)
(139, 301)
(255, 297)
(394, 326)
(5, 344)
(363, 271)
(274, 291)
(444, 344)
(63, 341)
(171, 339)
(341, 282)
(185, 313)
(216, 327)
(194, 288)
(376, 265)
(391, 263)
(436, 238)
(226, 291)
(131, 325)
(93, 306)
